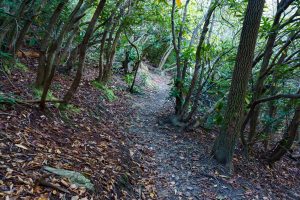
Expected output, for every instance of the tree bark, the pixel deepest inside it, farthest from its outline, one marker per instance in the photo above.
(26, 27)
(178, 97)
(265, 63)
(9, 27)
(108, 67)
(41, 71)
(225, 142)
(53, 53)
(126, 61)
(82, 52)
(287, 141)
(165, 57)
(210, 11)
(102, 45)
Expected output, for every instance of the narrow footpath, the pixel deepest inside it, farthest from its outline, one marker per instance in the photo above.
(179, 164)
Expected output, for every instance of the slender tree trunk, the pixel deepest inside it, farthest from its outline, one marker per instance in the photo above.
(272, 107)
(53, 53)
(9, 26)
(265, 63)
(101, 53)
(66, 50)
(108, 25)
(210, 11)
(26, 27)
(82, 52)
(41, 71)
(137, 66)
(108, 67)
(225, 142)
(126, 61)
(165, 57)
(287, 141)
(178, 85)
(72, 59)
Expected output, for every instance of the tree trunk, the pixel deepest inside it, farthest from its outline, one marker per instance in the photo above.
(287, 141)
(108, 67)
(101, 67)
(177, 47)
(41, 71)
(225, 142)
(187, 99)
(126, 61)
(82, 52)
(272, 106)
(53, 53)
(165, 57)
(66, 50)
(265, 63)
(72, 59)
(137, 66)
(10, 26)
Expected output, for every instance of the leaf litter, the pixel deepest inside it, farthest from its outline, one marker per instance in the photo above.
(125, 148)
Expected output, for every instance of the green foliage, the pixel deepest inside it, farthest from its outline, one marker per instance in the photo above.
(108, 93)
(137, 90)
(144, 79)
(70, 108)
(7, 99)
(218, 119)
(129, 78)
(173, 92)
(21, 66)
(5, 55)
(37, 93)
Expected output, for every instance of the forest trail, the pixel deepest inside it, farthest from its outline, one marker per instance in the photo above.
(178, 161)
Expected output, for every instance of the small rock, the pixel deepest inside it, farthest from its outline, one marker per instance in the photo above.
(188, 194)
(189, 188)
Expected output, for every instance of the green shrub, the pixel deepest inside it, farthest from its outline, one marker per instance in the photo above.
(108, 93)
(129, 78)
(37, 93)
(144, 79)
(7, 99)
(70, 108)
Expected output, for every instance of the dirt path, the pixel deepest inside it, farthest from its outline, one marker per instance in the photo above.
(178, 162)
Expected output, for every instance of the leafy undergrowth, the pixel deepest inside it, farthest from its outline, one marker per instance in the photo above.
(86, 137)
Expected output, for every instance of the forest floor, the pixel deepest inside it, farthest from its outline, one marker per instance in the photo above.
(126, 147)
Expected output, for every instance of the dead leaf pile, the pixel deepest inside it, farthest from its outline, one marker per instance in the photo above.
(86, 138)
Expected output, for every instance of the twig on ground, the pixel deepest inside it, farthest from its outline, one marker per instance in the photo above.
(43, 182)
(8, 114)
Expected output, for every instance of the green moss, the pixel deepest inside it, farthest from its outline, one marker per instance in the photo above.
(70, 108)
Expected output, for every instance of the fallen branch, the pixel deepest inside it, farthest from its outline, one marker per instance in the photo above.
(7, 114)
(44, 183)
(39, 101)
